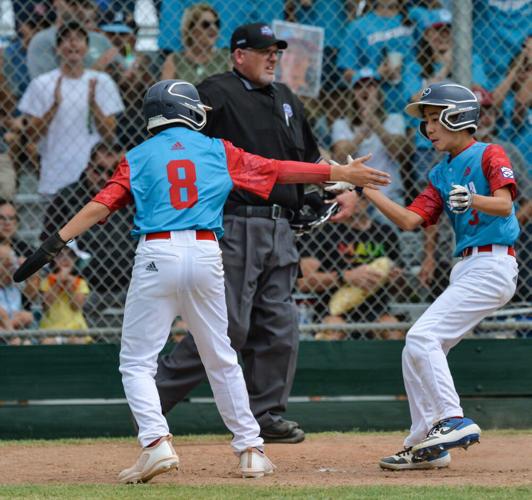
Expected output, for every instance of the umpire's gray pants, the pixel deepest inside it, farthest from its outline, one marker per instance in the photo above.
(261, 264)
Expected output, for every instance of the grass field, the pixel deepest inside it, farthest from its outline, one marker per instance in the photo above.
(152, 491)
(86, 469)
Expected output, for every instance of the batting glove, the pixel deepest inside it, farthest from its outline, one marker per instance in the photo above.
(42, 256)
(460, 199)
(340, 186)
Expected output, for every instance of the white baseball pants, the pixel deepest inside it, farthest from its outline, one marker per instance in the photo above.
(181, 276)
(479, 284)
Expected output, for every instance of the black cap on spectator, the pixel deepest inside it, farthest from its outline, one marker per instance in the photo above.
(255, 36)
(117, 22)
(66, 29)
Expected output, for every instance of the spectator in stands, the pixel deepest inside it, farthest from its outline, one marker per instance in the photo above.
(200, 28)
(340, 255)
(133, 72)
(13, 316)
(499, 30)
(64, 293)
(110, 247)
(380, 39)
(14, 79)
(233, 13)
(332, 15)
(70, 109)
(515, 95)
(8, 229)
(15, 66)
(42, 56)
(372, 130)
(122, 33)
(20, 248)
(425, 12)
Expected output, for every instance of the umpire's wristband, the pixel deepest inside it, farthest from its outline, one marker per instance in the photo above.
(359, 190)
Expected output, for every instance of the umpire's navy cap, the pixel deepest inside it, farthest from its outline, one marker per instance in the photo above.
(255, 36)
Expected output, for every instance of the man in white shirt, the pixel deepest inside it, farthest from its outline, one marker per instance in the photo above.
(42, 56)
(70, 109)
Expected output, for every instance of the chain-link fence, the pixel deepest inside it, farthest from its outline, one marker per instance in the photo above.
(71, 104)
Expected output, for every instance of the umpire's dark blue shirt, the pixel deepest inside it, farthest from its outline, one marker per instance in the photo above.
(268, 121)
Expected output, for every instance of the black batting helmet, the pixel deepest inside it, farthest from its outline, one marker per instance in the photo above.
(174, 101)
(461, 109)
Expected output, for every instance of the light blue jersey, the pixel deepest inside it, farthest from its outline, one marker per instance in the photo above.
(179, 180)
(468, 168)
(370, 37)
(499, 29)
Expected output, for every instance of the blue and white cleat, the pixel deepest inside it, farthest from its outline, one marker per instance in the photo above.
(405, 460)
(447, 434)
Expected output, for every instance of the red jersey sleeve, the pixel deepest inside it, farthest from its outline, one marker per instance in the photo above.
(498, 169)
(258, 175)
(251, 172)
(428, 204)
(117, 191)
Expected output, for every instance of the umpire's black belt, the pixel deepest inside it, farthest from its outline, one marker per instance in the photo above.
(274, 212)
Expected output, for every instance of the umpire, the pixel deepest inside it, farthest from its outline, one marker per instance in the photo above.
(259, 254)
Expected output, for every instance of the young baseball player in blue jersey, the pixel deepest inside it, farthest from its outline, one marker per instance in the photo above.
(178, 181)
(475, 186)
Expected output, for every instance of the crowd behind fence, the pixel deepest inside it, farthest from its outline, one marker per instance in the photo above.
(354, 64)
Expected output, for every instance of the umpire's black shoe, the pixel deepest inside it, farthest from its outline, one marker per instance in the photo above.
(283, 431)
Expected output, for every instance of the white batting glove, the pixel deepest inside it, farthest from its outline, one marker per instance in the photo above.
(460, 199)
(340, 186)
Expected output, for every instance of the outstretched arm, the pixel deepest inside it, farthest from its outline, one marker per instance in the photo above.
(258, 175)
(89, 215)
(113, 196)
(399, 215)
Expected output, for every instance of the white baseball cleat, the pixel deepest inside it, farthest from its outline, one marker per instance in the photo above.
(254, 463)
(406, 460)
(153, 461)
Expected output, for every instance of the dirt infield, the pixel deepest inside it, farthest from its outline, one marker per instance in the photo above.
(322, 460)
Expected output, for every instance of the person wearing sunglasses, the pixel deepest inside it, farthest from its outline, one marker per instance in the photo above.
(200, 28)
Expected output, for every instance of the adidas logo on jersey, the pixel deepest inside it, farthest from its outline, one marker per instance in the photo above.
(152, 267)
(177, 146)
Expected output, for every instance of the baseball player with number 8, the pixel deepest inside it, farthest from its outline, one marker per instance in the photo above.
(179, 180)
(475, 186)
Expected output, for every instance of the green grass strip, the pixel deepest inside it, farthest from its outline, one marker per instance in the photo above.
(245, 492)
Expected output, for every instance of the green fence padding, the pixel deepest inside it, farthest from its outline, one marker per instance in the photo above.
(480, 367)
(52, 422)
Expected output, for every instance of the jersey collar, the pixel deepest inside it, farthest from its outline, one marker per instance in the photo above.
(473, 141)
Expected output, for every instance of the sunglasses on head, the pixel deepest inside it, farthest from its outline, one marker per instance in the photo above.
(207, 24)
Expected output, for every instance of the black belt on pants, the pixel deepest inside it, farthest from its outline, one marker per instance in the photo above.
(274, 212)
